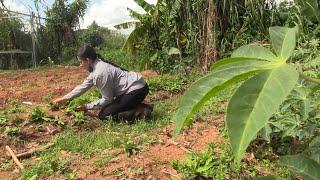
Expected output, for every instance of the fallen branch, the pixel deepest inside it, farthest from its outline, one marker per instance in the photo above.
(15, 159)
(179, 146)
(29, 153)
(185, 149)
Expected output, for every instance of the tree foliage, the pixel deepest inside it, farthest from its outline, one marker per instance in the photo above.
(62, 19)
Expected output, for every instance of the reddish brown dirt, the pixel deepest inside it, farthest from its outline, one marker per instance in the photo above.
(32, 86)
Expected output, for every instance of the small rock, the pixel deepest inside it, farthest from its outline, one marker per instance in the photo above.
(81, 175)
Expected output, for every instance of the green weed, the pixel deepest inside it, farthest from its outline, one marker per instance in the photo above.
(131, 147)
(38, 114)
(122, 59)
(90, 96)
(3, 120)
(79, 117)
(50, 163)
(204, 165)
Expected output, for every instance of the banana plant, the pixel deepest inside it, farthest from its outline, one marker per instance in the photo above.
(142, 23)
(310, 8)
(269, 79)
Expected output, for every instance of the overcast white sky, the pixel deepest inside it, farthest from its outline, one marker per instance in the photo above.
(110, 12)
(105, 12)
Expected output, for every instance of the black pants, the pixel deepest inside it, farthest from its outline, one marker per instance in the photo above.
(124, 102)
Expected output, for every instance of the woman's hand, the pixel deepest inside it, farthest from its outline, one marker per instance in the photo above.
(60, 101)
(81, 108)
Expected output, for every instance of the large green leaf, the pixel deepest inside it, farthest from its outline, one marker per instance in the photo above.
(206, 87)
(127, 25)
(313, 151)
(254, 103)
(255, 52)
(146, 6)
(225, 61)
(283, 41)
(310, 8)
(133, 37)
(303, 165)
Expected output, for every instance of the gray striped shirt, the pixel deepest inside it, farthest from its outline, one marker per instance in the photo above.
(111, 82)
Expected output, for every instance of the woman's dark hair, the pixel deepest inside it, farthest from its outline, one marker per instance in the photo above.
(87, 51)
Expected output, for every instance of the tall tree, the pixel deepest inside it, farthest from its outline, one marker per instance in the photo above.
(62, 19)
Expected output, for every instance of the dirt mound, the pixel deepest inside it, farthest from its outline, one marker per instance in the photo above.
(33, 85)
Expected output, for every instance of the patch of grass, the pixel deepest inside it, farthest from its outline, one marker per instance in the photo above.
(161, 116)
(15, 107)
(171, 84)
(11, 131)
(86, 142)
(216, 162)
(3, 120)
(131, 147)
(50, 163)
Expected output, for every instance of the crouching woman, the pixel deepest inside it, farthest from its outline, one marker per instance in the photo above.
(121, 91)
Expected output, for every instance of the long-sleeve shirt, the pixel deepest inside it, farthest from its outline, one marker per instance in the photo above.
(111, 82)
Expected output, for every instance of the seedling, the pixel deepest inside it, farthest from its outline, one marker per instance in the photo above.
(130, 147)
(38, 114)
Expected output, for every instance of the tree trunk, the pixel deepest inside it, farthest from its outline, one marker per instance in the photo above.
(59, 48)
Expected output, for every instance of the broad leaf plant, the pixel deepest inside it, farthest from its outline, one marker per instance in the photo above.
(268, 80)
